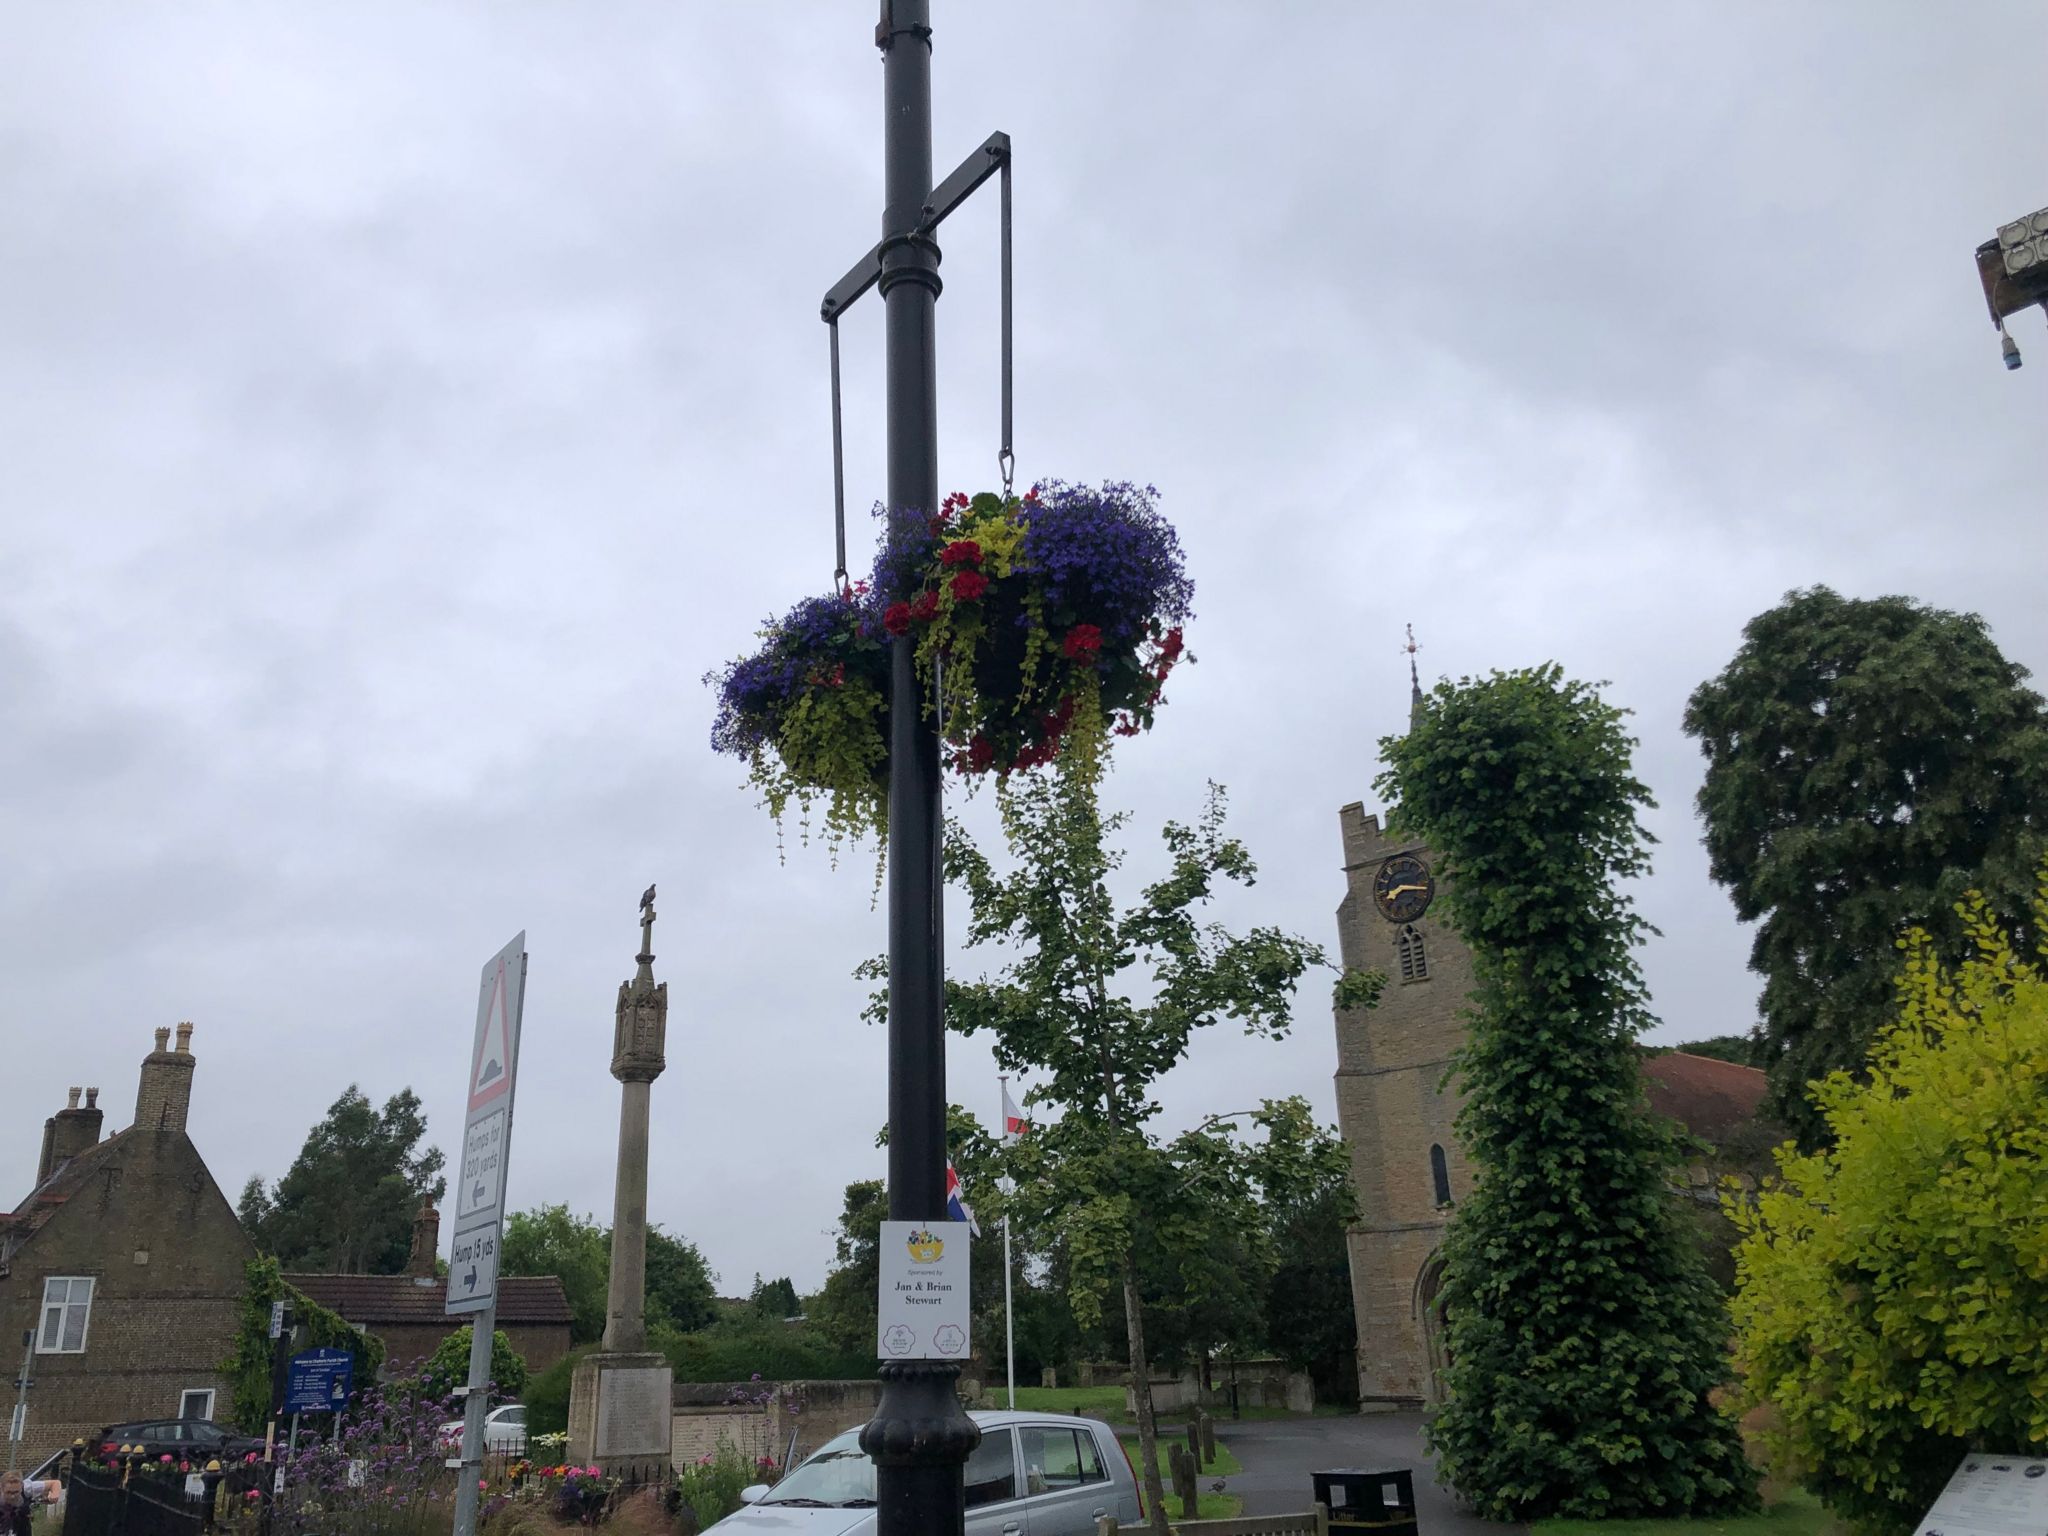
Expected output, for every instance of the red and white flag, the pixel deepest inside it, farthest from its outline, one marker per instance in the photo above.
(1014, 1123)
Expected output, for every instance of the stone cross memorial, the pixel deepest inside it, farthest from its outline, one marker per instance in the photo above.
(620, 1413)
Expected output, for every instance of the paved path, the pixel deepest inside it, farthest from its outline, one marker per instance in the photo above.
(1279, 1454)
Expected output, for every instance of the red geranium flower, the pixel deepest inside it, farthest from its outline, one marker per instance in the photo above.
(925, 607)
(981, 754)
(897, 619)
(968, 585)
(1170, 647)
(960, 552)
(1083, 643)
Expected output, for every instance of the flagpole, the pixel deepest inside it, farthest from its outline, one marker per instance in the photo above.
(1009, 1312)
(1009, 1317)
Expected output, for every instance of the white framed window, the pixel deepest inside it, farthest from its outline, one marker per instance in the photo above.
(67, 1308)
(195, 1403)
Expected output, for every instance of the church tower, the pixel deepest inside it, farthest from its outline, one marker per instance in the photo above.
(1392, 1105)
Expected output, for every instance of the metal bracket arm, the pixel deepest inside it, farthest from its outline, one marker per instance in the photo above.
(992, 156)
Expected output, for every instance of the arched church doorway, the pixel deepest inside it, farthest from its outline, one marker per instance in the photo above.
(1429, 1314)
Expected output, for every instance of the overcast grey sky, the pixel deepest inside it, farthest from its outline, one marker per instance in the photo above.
(403, 405)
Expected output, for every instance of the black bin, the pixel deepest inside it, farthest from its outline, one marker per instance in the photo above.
(1381, 1502)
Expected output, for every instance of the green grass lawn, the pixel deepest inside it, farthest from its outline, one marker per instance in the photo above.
(1100, 1402)
(1208, 1506)
(1797, 1514)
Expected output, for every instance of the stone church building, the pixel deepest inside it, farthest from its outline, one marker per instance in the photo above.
(1397, 1114)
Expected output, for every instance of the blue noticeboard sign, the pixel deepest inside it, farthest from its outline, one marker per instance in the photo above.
(319, 1381)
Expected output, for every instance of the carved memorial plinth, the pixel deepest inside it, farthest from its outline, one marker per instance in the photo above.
(622, 1415)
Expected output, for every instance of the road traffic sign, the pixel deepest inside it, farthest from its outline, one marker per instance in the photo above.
(487, 1131)
(473, 1269)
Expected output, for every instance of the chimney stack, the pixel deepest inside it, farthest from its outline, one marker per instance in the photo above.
(163, 1096)
(69, 1132)
(426, 1240)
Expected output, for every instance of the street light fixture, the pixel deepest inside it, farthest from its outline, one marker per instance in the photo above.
(2014, 271)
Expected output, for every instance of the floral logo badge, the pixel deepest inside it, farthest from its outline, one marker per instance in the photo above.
(926, 1248)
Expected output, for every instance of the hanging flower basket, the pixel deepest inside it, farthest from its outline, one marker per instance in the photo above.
(1050, 621)
(808, 712)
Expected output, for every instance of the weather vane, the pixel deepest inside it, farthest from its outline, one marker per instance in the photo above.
(647, 923)
(1411, 648)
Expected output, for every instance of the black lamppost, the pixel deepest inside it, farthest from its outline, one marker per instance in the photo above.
(919, 1437)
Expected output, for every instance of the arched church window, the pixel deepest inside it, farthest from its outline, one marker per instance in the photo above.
(1409, 953)
(1440, 1174)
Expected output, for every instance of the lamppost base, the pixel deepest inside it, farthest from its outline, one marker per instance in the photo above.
(919, 1438)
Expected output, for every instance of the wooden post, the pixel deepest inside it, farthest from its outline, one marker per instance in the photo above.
(1208, 1441)
(1105, 1525)
(1195, 1436)
(1322, 1520)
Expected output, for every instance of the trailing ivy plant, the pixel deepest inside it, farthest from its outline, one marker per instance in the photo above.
(1584, 1334)
(247, 1366)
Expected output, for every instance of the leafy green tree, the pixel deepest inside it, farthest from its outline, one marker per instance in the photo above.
(1893, 1286)
(1059, 1008)
(777, 1299)
(548, 1240)
(1584, 1335)
(844, 1312)
(682, 1292)
(1308, 1209)
(347, 1203)
(448, 1367)
(1867, 762)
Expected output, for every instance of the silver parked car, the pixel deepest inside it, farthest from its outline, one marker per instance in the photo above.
(1034, 1474)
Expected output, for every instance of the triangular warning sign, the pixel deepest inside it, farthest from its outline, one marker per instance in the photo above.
(491, 1073)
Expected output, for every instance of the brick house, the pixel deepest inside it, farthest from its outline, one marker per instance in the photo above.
(408, 1311)
(125, 1262)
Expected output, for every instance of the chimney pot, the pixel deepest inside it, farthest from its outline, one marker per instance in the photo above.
(92, 1098)
(72, 1102)
(185, 1038)
(163, 1094)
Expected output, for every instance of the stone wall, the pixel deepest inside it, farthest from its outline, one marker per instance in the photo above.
(165, 1254)
(1260, 1384)
(706, 1415)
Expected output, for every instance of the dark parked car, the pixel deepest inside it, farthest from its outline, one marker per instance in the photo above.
(194, 1440)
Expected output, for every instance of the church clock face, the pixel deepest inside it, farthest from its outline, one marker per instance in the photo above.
(1403, 888)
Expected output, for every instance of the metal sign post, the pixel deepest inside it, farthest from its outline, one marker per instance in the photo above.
(480, 1199)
